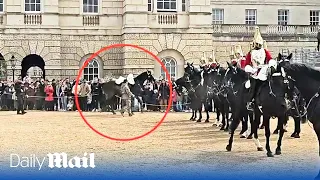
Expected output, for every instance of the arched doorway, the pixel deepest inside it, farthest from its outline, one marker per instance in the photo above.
(3, 68)
(32, 60)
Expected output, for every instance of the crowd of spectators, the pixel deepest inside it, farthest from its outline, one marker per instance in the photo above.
(58, 95)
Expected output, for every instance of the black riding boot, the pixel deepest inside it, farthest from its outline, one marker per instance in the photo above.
(255, 84)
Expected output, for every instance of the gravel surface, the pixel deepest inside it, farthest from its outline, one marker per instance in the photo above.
(177, 144)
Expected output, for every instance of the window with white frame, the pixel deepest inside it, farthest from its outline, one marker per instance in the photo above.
(32, 5)
(251, 16)
(167, 5)
(149, 5)
(283, 17)
(171, 64)
(90, 6)
(92, 70)
(1, 5)
(217, 16)
(314, 17)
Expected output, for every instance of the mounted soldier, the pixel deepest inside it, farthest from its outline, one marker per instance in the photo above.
(213, 64)
(204, 62)
(256, 64)
(239, 59)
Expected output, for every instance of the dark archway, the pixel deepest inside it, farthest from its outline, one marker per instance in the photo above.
(30, 61)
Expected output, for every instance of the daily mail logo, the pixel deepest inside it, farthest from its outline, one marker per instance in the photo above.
(55, 160)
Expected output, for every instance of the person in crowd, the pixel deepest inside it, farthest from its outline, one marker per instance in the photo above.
(83, 95)
(95, 89)
(49, 100)
(19, 89)
(163, 95)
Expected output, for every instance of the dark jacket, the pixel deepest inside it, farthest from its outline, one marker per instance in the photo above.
(318, 36)
(95, 89)
(164, 91)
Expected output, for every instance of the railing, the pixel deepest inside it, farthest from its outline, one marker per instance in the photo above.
(91, 20)
(32, 19)
(235, 29)
(167, 18)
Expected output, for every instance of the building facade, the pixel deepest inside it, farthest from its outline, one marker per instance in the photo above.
(58, 36)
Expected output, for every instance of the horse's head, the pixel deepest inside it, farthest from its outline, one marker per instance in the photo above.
(181, 82)
(284, 60)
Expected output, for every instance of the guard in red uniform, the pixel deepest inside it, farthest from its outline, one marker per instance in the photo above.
(239, 60)
(256, 63)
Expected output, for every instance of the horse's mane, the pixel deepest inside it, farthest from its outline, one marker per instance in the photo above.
(304, 69)
(242, 73)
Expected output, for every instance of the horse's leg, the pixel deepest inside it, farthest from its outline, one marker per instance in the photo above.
(256, 123)
(200, 113)
(207, 108)
(226, 111)
(281, 122)
(193, 116)
(251, 124)
(297, 128)
(266, 120)
(223, 119)
(244, 126)
(233, 127)
(141, 103)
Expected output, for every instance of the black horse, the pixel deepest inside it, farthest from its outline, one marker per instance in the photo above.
(197, 91)
(271, 101)
(111, 91)
(213, 78)
(137, 88)
(231, 87)
(297, 102)
(307, 80)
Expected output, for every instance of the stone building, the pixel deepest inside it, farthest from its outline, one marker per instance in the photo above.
(59, 35)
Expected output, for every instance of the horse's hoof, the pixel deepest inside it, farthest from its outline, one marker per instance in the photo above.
(222, 128)
(285, 130)
(260, 148)
(296, 136)
(198, 120)
(261, 127)
(242, 136)
(206, 121)
(249, 137)
(275, 132)
(228, 148)
(278, 152)
(269, 154)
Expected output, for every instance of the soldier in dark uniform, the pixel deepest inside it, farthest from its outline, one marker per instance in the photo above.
(19, 88)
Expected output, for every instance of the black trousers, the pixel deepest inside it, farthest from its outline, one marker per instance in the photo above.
(83, 103)
(20, 104)
(318, 47)
(255, 84)
(95, 101)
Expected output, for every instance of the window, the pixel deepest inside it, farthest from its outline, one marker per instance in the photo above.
(149, 5)
(32, 5)
(90, 6)
(91, 71)
(1, 5)
(35, 72)
(251, 16)
(314, 17)
(167, 5)
(283, 16)
(217, 16)
(171, 65)
(183, 5)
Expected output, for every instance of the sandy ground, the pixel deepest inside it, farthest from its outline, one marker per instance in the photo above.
(177, 142)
